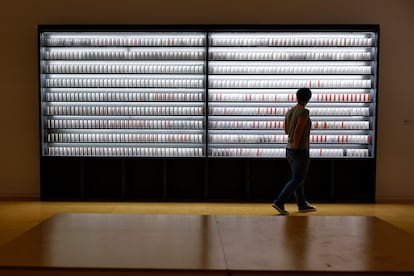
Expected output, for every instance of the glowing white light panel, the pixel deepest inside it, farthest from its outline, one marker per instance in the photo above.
(253, 78)
(197, 94)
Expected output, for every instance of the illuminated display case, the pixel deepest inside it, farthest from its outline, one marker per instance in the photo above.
(203, 104)
(253, 78)
(132, 94)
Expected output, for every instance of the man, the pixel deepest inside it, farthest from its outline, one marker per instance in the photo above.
(297, 126)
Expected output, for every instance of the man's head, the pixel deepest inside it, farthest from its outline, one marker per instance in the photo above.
(303, 95)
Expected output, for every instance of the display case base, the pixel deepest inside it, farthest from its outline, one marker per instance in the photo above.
(202, 179)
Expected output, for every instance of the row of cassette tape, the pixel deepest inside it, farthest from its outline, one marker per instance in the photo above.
(195, 111)
(123, 124)
(199, 83)
(193, 124)
(108, 96)
(159, 96)
(279, 97)
(261, 83)
(281, 111)
(278, 153)
(124, 110)
(266, 139)
(247, 68)
(288, 54)
(123, 69)
(125, 151)
(125, 54)
(199, 54)
(196, 152)
(272, 124)
(183, 68)
(163, 40)
(290, 40)
(132, 40)
(124, 82)
(197, 138)
(124, 138)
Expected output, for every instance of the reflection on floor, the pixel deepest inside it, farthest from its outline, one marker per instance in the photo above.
(98, 244)
(17, 217)
(213, 238)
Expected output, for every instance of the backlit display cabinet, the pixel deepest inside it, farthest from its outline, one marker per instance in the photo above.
(197, 111)
(253, 79)
(129, 94)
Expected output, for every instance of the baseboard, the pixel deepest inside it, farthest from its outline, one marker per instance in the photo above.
(19, 196)
(394, 199)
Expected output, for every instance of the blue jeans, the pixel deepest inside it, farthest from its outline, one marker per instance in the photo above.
(299, 164)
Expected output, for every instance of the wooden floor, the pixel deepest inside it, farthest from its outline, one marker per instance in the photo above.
(17, 217)
(205, 238)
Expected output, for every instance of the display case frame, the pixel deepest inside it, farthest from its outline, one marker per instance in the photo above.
(172, 187)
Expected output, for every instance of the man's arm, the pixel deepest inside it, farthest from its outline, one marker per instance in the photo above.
(297, 135)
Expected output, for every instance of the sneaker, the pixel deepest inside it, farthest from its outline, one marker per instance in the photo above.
(306, 208)
(280, 208)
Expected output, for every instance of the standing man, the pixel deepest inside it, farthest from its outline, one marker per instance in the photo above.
(297, 126)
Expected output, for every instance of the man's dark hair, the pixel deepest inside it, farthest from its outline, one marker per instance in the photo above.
(304, 95)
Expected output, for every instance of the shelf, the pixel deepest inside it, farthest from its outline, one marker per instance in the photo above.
(127, 67)
(131, 89)
(124, 95)
(122, 39)
(296, 39)
(253, 79)
(119, 151)
(263, 152)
